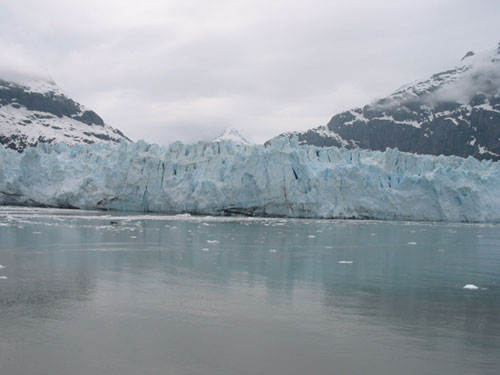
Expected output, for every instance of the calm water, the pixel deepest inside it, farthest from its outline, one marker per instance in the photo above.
(179, 295)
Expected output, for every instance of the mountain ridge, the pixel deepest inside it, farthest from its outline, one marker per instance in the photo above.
(454, 112)
(232, 134)
(36, 110)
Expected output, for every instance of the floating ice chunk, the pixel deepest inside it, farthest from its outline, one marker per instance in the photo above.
(37, 232)
(471, 287)
(133, 236)
(273, 250)
(345, 262)
(213, 241)
(3, 277)
(412, 243)
(311, 236)
(1, 266)
(204, 249)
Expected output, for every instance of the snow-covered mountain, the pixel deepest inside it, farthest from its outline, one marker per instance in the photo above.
(281, 179)
(231, 134)
(36, 110)
(455, 112)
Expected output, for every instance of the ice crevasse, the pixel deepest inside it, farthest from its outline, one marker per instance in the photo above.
(280, 179)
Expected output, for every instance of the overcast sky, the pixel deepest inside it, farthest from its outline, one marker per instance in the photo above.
(185, 70)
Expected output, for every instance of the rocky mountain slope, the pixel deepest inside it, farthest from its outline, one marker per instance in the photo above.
(36, 111)
(455, 112)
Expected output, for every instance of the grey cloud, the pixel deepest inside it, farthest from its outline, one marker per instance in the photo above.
(185, 69)
(17, 64)
(483, 77)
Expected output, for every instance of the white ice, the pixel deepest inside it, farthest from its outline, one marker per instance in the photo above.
(281, 179)
(471, 287)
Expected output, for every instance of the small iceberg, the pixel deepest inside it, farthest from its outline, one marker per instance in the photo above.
(213, 241)
(412, 243)
(345, 262)
(1, 266)
(471, 287)
(273, 250)
(3, 277)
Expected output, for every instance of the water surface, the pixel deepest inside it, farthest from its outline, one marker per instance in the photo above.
(98, 293)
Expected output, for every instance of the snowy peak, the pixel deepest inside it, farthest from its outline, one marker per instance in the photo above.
(35, 85)
(36, 110)
(476, 72)
(454, 112)
(231, 134)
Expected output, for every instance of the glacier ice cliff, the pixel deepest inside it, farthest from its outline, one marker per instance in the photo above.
(280, 179)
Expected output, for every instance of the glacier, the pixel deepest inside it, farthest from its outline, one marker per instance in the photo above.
(282, 179)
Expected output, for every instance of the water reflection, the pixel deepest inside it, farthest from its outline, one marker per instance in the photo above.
(404, 284)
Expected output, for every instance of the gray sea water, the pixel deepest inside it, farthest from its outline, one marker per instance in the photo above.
(86, 292)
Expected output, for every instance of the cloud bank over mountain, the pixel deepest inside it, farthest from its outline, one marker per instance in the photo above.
(188, 69)
(16, 64)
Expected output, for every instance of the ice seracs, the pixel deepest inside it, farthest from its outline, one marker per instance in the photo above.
(281, 179)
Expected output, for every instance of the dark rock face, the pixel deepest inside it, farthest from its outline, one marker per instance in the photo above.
(38, 111)
(456, 112)
(56, 104)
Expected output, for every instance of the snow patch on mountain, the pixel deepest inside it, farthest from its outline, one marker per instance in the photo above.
(35, 110)
(231, 134)
(437, 115)
(476, 73)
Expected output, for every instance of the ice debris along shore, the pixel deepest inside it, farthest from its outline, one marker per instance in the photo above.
(280, 179)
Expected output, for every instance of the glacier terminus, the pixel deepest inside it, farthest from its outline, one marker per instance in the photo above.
(282, 179)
